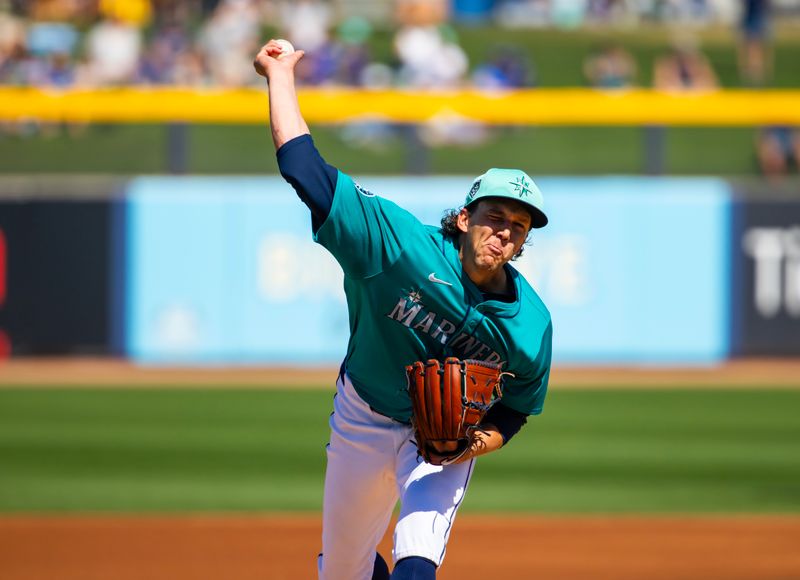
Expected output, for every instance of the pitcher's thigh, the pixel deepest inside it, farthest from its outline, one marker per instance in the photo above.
(430, 498)
(360, 494)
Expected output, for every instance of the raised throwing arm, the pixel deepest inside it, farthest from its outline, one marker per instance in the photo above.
(285, 119)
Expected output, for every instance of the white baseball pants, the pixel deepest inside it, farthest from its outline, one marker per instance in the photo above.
(372, 463)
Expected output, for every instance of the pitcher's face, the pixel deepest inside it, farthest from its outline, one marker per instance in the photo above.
(495, 230)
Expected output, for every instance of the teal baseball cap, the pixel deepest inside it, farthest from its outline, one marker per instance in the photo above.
(510, 184)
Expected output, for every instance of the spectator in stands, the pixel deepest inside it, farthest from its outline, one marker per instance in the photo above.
(610, 67)
(59, 71)
(430, 57)
(777, 147)
(168, 48)
(754, 48)
(426, 47)
(684, 68)
(507, 68)
(353, 55)
(778, 150)
(306, 24)
(12, 46)
(51, 46)
(189, 69)
(228, 39)
(343, 58)
(113, 49)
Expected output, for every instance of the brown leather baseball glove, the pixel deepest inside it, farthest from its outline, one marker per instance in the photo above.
(448, 403)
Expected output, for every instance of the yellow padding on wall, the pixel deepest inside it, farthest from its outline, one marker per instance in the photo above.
(527, 107)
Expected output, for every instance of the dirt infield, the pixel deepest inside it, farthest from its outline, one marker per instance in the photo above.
(96, 372)
(284, 547)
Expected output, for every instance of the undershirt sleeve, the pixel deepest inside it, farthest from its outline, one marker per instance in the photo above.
(311, 177)
(507, 420)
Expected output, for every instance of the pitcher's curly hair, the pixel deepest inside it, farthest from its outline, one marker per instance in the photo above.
(450, 229)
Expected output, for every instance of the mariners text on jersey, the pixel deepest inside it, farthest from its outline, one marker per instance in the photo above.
(409, 310)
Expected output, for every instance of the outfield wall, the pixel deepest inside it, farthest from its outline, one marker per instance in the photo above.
(765, 248)
(223, 270)
(55, 273)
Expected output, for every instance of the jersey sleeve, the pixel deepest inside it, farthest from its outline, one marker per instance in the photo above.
(305, 170)
(506, 420)
(363, 231)
(526, 392)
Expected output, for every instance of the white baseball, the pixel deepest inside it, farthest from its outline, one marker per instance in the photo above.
(286, 47)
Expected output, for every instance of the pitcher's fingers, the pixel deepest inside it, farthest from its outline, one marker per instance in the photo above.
(294, 57)
(271, 48)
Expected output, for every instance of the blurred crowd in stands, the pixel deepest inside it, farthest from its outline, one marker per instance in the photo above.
(63, 43)
(197, 43)
(89, 43)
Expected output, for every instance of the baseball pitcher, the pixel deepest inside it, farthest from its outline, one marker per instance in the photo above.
(449, 348)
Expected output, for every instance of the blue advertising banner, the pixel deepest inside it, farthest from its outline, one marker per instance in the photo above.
(224, 270)
(635, 270)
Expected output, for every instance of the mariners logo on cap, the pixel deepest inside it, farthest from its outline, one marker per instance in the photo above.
(521, 186)
(475, 187)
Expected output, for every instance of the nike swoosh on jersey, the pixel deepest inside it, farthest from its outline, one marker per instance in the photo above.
(432, 277)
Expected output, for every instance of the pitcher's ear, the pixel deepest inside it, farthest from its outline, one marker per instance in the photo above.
(462, 220)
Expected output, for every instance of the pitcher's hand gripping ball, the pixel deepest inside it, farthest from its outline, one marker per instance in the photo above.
(448, 404)
(285, 46)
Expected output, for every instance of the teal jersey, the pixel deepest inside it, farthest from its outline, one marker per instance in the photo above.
(409, 299)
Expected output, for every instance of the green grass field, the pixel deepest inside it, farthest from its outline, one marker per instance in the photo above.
(592, 451)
